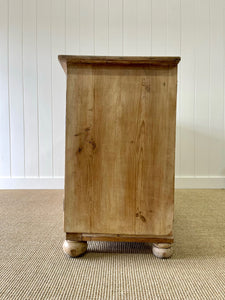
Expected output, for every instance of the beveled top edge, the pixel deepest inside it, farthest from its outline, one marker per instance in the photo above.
(160, 61)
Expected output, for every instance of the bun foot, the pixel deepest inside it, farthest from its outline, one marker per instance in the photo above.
(162, 250)
(74, 248)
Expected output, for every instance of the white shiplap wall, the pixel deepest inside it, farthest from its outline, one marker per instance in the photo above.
(32, 83)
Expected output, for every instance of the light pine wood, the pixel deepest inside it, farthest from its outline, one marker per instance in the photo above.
(79, 150)
(73, 248)
(119, 238)
(66, 60)
(120, 146)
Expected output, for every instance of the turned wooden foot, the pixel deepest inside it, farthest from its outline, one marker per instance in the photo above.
(161, 250)
(74, 248)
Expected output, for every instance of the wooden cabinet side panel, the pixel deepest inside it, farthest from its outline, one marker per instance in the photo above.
(120, 143)
(116, 89)
(79, 149)
(155, 182)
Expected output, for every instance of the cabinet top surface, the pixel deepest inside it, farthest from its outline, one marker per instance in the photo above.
(160, 61)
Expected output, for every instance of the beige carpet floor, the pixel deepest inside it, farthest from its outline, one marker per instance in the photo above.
(33, 265)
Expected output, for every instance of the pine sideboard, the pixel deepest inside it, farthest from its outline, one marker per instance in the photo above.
(120, 151)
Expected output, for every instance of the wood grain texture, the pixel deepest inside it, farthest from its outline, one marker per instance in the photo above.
(120, 141)
(79, 165)
(161, 61)
(118, 238)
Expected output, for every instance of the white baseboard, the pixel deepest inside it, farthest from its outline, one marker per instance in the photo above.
(28, 183)
(181, 182)
(200, 182)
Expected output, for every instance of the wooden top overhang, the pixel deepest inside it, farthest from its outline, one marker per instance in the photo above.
(160, 61)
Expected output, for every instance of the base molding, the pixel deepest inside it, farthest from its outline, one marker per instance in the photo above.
(118, 238)
(200, 182)
(181, 182)
(30, 183)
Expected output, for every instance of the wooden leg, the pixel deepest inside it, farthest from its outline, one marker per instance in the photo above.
(74, 248)
(161, 250)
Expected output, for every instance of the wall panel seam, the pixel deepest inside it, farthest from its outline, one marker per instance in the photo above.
(9, 106)
(52, 107)
(195, 84)
(22, 46)
(38, 129)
